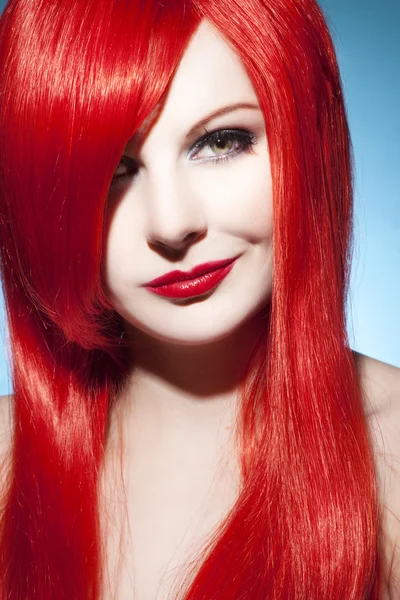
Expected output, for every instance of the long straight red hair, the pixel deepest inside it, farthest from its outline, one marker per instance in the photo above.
(78, 77)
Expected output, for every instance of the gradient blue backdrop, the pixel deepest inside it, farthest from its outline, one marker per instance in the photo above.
(368, 47)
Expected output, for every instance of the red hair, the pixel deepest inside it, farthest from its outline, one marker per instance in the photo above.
(78, 79)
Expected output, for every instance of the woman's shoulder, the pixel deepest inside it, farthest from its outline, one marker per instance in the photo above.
(380, 385)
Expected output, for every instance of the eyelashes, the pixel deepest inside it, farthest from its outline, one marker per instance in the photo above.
(238, 140)
(221, 145)
(127, 168)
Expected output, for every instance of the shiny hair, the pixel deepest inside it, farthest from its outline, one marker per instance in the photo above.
(78, 78)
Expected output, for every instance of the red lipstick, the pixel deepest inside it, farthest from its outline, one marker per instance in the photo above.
(201, 279)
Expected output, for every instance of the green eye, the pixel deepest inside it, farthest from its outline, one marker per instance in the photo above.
(224, 143)
(221, 144)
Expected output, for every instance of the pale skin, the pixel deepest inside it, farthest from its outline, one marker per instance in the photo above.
(179, 405)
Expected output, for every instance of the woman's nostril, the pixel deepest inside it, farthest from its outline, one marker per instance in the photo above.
(189, 236)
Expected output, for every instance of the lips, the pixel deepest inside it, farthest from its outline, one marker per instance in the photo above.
(197, 282)
(178, 276)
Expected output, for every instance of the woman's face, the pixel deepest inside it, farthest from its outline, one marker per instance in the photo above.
(190, 197)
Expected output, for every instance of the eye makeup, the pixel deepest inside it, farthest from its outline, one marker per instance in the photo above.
(127, 167)
(236, 141)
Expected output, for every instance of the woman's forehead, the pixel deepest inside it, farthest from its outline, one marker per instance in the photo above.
(209, 77)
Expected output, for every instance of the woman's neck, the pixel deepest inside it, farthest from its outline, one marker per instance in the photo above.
(185, 395)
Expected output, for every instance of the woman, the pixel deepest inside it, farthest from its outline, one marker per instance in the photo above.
(188, 419)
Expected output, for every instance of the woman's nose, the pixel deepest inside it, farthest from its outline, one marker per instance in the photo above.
(176, 215)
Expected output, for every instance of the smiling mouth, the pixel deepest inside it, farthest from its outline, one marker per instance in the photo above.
(178, 276)
(180, 285)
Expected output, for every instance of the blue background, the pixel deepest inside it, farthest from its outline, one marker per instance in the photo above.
(366, 35)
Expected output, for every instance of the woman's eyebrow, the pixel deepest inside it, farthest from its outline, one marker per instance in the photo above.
(198, 127)
(140, 135)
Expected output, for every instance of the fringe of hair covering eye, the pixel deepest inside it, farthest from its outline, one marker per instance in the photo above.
(78, 77)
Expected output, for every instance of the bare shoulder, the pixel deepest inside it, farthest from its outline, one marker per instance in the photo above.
(380, 384)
